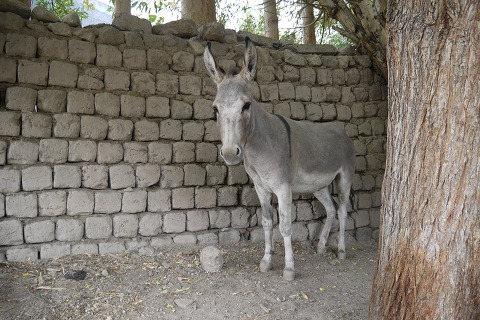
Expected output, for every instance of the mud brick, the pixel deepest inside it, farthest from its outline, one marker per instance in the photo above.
(120, 129)
(185, 239)
(365, 129)
(69, 230)
(183, 152)
(219, 218)
(290, 73)
(108, 202)
(52, 203)
(63, 74)
(181, 110)
(80, 102)
(38, 232)
(22, 254)
(111, 247)
(298, 110)
(159, 152)
(159, 200)
(67, 176)
(227, 196)
(362, 218)
(22, 152)
(52, 48)
(344, 113)
(229, 237)
(286, 91)
(54, 250)
(107, 104)
(134, 201)
(53, 101)
(303, 93)
(174, 222)
(11, 233)
(329, 111)
(81, 51)
(108, 56)
(9, 180)
(183, 198)
(157, 107)
(82, 248)
(147, 175)
(249, 197)
(143, 83)
(304, 211)
(109, 152)
(36, 125)
(95, 176)
(237, 175)
(207, 239)
(20, 98)
(98, 227)
(66, 125)
(190, 85)
(167, 83)
(205, 197)
(194, 175)
(80, 202)
(150, 225)
(158, 60)
(193, 131)
(121, 176)
(82, 150)
(313, 112)
(202, 109)
(132, 106)
(269, 92)
(206, 152)
(212, 132)
(216, 174)
(135, 152)
(37, 178)
(146, 131)
(283, 109)
(125, 225)
(2, 205)
(135, 59)
(10, 123)
(171, 129)
(171, 177)
(32, 72)
(21, 45)
(117, 80)
(182, 61)
(8, 70)
(240, 218)
(94, 128)
(364, 200)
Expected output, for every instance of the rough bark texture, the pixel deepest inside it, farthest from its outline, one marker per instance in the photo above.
(308, 20)
(123, 6)
(364, 24)
(429, 257)
(200, 11)
(271, 18)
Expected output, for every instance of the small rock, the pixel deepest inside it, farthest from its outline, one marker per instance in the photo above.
(76, 275)
(213, 31)
(11, 21)
(60, 29)
(125, 21)
(211, 259)
(72, 19)
(183, 303)
(15, 6)
(42, 14)
(183, 28)
(105, 273)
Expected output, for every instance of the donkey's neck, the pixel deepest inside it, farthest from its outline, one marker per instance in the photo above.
(261, 132)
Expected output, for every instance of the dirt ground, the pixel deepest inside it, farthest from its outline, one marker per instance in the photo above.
(171, 284)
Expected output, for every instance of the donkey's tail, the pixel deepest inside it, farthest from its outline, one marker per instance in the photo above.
(352, 199)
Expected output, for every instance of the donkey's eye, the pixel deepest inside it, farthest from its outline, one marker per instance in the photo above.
(215, 113)
(246, 106)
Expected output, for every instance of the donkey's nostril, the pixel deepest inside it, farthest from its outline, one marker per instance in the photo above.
(238, 151)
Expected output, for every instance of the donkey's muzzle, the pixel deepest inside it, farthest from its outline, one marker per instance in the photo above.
(233, 155)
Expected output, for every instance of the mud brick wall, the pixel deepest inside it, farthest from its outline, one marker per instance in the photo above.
(107, 141)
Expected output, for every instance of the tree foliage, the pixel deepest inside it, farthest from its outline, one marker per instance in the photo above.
(63, 7)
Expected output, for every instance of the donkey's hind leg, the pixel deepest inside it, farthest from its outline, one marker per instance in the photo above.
(325, 198)
(344, 183)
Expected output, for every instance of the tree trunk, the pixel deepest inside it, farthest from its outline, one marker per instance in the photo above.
(308, 20)
(200, 11)
(429, 256)
(271, 18)
(122, 6)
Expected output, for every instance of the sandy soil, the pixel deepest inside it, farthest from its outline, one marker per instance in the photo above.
(171, 284)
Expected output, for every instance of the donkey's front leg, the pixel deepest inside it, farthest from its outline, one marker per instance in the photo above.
(285, 213)
(265, 198)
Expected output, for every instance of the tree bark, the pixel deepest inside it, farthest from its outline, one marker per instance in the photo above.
(308, 20)
(429, 256)
(270, 18)
(200, 11)
(123, 6)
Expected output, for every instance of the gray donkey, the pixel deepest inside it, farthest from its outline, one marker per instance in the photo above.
(281, 156)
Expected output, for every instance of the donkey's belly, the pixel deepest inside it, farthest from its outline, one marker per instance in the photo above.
(310, 182)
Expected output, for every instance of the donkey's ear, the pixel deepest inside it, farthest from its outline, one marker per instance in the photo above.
(214, 71)
(250, 63)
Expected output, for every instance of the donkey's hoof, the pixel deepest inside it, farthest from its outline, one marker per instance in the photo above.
(265, 266)
(322, 250)
(289, 274)
(342, 255)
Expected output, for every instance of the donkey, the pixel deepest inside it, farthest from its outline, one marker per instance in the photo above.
(282, 156)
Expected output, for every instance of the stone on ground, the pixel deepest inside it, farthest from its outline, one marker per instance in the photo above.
(211, 259)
